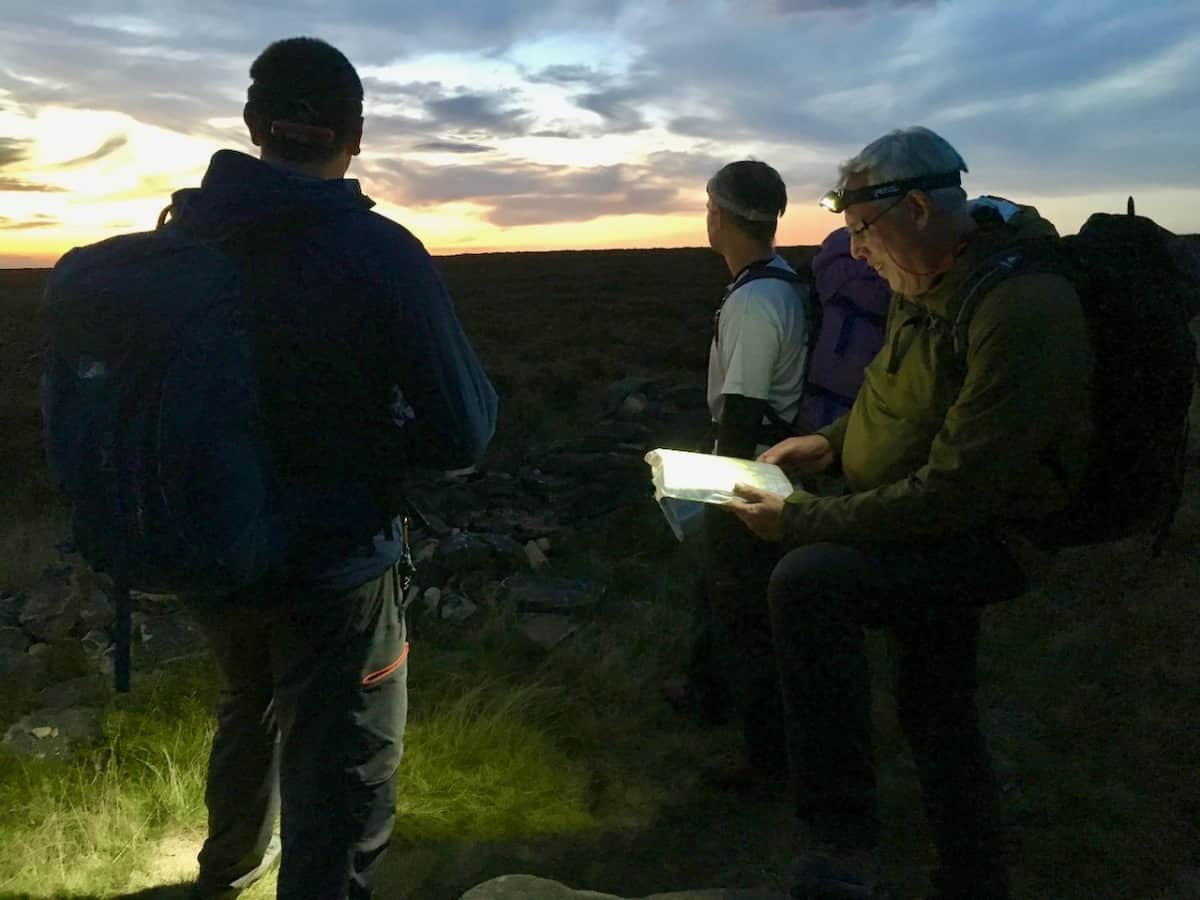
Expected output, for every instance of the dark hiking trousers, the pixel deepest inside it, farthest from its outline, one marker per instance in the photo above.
(733, 664)
(311, 719)
(929, 596)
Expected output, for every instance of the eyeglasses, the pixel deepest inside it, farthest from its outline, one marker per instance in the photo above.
(838, 199)
(861, 230)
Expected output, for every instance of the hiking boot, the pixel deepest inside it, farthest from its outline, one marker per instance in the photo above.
(826, 873)
(270, 859)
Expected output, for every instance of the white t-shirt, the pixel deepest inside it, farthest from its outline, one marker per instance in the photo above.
(760, 346)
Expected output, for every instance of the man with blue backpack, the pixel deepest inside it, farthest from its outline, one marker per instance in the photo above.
(231, 403)
(1029, 387)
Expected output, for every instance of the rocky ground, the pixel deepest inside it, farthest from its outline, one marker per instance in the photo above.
(479, 539)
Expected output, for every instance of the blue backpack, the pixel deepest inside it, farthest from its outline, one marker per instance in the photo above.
(150, 405)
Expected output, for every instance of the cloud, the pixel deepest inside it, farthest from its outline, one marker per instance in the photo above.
(38, 221)
(18, 184)
(836, 6)
(421, 113)
(1043, 96)
(451, 147)
(520, 193)
(113, 144)
(563, 74)
(13, 151)
(620, 114)
(489, 114)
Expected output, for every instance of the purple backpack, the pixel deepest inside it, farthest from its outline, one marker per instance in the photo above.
(854, 301)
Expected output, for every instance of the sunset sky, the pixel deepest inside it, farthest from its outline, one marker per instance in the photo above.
(504, 124)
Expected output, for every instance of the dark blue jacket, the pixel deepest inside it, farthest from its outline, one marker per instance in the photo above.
(362, 362)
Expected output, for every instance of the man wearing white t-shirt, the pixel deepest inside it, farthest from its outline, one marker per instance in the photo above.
(756, 373)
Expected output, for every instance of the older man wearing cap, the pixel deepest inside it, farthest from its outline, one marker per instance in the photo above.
(756, 372)
(971, 420)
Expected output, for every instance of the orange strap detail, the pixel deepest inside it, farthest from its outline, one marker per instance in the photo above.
(379, 675)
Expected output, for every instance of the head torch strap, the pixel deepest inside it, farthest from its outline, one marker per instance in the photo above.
(754, 215)
(838, 200)
(300, 133)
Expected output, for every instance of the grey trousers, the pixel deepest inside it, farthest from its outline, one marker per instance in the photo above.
(310, 724)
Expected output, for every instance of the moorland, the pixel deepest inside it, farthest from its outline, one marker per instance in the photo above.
(567, 763)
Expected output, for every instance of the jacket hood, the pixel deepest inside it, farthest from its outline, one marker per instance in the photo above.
(239, 190)
(1009, 227)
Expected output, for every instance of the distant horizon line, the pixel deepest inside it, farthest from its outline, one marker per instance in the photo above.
(1194, 236)
(457, 253)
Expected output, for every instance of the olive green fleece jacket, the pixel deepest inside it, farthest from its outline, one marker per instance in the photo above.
(940, 443)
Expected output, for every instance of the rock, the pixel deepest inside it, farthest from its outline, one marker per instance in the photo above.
(489, 594)
(547, 630)
(686, 397)
(60, 728)
(96, 642)
(615, 393)
(456, 607)
(543, 593)
(96, 612)
(572, 466)
(523, 525)
(165, 638)
(505, 550)
(40, 649)
(10, 608)
(105, 582)
(535, 555)
(436, 524)
(543, 484)
(152, 603)
(51, 611)
(21, 677)
(87, 690)
(633, 406)
(498, 487)
(543, 544)
(592, 443)
(12, 641)
(530, 887)
(588, 500)
(463, 552)
(430, 600)
(424, 551)
(139, 626)
(625, 432)
(473, 584)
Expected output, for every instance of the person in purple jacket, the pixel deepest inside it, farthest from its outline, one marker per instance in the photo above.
(854, 303)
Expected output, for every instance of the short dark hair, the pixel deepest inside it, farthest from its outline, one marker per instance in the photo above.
(303, 81)
(754, 186)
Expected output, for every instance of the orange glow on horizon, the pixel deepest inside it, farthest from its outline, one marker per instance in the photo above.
(83, 176)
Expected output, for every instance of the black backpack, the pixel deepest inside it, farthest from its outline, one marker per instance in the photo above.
(1138, 287)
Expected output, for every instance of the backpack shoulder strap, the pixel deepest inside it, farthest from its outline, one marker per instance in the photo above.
(995, 269)
(813, 314)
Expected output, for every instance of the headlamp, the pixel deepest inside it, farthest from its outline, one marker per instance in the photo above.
(838, 199)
